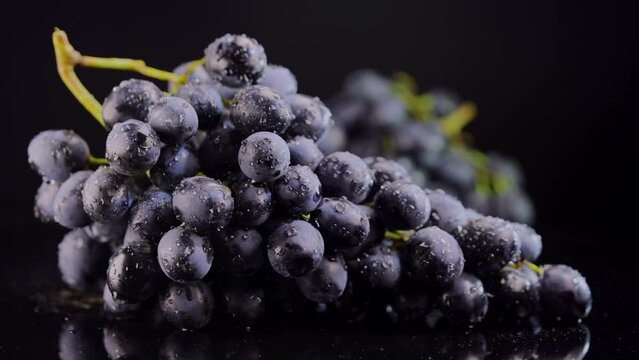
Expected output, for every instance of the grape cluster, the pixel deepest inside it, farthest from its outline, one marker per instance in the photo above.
(217, 195)
(375, 115)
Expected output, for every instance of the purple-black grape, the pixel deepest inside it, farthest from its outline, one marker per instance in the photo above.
(43, 204)
(258, 108)
(253, 202)
(345, 174)
(280, 79)
(263, 156)
(184, 256)
(111, 232)
(383, 171)
(434, 258)
(304, 152)
(239, 252)
(402, 205)
(206, 102)
(107, 195)
(55, 154)
(203, 204)
(298, 191)
(133, 275)
(447, 213)
(68, 210)
(187, 306)
(235, 60)
(378, 267)
(564, 292)
(173, 119)
(343, 225)
(151, 216)
(132, 147)
(81, 260)
(515, 294)
(325, 283)
(465, 300)
(116, 308)
(531, 243)
(176, 162)
(295, 248)
(312, 117)
(218, 153)
(129, 100)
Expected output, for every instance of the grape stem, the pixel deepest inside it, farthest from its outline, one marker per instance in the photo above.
(453, 123)
(538, 270)
(67, 58)
(97, 161)
(400, 236)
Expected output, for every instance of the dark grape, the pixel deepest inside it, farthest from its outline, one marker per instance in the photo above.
(173, 119)
(258, 108)
(402, 205)
(244, 302)
(326, 282)
(253, 202)
(81, 261)
(334, 140)
(55, 154)
(263, 156)
(133, 275)
(343, 225)
(107, 195)
(218, 153)
(434, 258)
(129, 100)
(111, 232)
(187, 306)
(345, 174)
(184, 255)
(465, 300)
(132, 147)
(378, 267)
(43, 204)
(280, 79)
(312, 117)
(203, 204)
(206, 102)
(151, 216)
(530, 242)
(388, 111)
(383, 171)
(367, 84)
(298, 191)
(295, 248)
(447, 212)
(176, 162)
(564, 292)
(235, 60)
(515, 294)
(67, 204)
(116, 308)
(304, 152)
(239, 252)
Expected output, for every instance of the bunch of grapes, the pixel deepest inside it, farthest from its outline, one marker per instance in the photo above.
(216, 192)
(376, 115)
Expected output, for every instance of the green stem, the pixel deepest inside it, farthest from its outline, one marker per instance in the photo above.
(306, 217)
(454, 122)
(134, 65)
(398, 235)
(538, 270)
(190, 67)
(97, 161)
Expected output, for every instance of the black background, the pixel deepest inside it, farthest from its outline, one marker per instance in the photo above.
(555, 83)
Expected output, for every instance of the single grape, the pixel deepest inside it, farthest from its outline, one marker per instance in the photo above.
(107, 195)
(345, 174)
(218, 153)
(43, 204)
(184, 256)
(263, 156)
(531, 244)
(298, 191)
(434, 258)
(244, 302)
(562, 342)
(81, 261)
(235, 60)
(383, 171)
(67, 204)
(564, 292)
(129, 100)
(132, 147)
(465, 300)
(239, 252)
(514, 205)
(295, 248)
(253, 202)
(312, 117)
(304, 152)
(343, 225)
(515, 294)
(258, 108)
(133, 275)
(206, 102)
(203, 204)
(280, 79)
(173, 119)
(55, 154)
(152, 216)
(402, 205)
(489, 244)
(187, 306)
(334, 140)
(378, 267)
(325, 283)
(375, 233)
(116, 308)
(111, 232)
(447, 212)
(176, 162)
(367, 84)
(411, 304)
